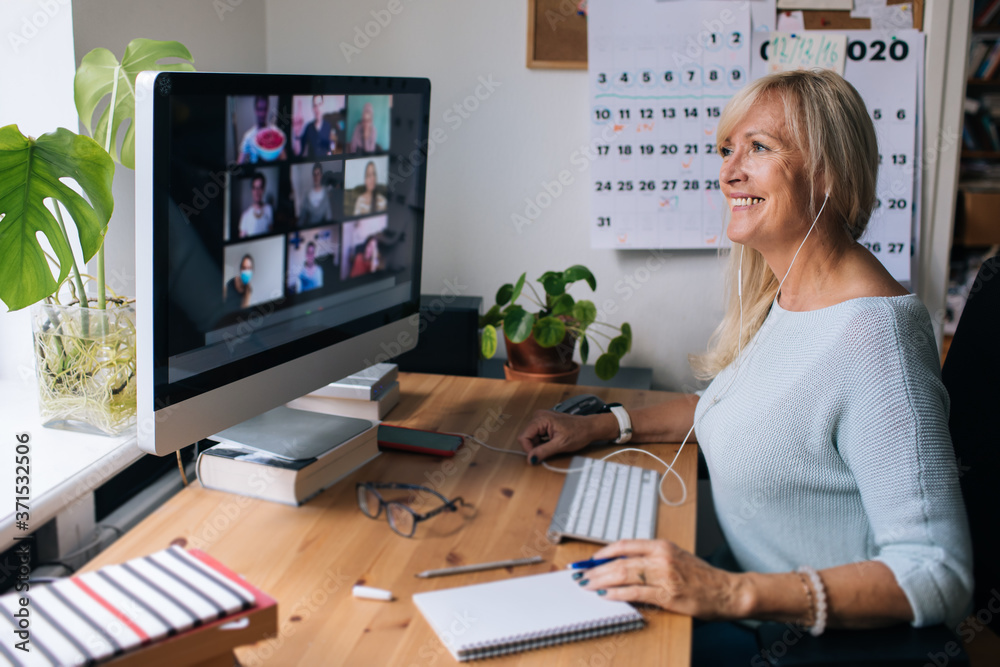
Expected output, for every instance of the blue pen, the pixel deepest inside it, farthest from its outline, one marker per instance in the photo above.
(587, 564)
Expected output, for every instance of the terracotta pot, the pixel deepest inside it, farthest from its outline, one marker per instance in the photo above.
(566, 377)
(537, 363)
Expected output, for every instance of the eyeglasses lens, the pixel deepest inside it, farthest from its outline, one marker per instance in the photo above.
(400, 518)
(368, 501)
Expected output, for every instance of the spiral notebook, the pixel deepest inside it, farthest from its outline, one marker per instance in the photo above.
(520, 614)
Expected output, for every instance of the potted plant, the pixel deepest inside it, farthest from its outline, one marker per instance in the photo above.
(84, 344)
(541, 339)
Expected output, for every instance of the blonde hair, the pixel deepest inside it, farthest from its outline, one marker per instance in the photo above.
(828, 121)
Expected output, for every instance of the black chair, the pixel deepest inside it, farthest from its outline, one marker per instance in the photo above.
(971, 374)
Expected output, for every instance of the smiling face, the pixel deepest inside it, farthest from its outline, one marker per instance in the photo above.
(764, 179)
(371, 177)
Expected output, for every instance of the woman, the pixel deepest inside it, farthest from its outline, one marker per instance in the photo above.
(363, 139)
(369, 201)
(315, 205)
(237, 291)
(825, 404)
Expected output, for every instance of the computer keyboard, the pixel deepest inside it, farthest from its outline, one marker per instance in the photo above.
(603, 502)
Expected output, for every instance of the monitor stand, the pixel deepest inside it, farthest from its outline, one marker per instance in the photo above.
(294, 434)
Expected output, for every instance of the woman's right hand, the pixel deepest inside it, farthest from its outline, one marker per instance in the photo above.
(550, 433)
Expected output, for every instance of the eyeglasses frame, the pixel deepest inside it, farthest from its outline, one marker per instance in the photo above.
(449, 505)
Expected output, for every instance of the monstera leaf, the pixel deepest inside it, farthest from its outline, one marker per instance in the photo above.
(30, 173)
(96, 78)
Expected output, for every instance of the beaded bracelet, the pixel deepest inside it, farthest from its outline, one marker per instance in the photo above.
(820, 625)
(810, 619)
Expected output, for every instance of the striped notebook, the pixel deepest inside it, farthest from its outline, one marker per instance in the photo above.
(96, 616)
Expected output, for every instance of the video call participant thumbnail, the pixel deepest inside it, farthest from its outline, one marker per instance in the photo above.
(321, 133)
(368, 118)
(313, 187)
(261, 139)
(365, 187)
(362, 246)
(256, 195)
(312, 255)
(252, 273)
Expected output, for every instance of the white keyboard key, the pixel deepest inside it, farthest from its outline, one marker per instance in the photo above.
(613, 529)
(604, 498)
(574, 512)
(646, 528)
(592, 488)
(631, 503)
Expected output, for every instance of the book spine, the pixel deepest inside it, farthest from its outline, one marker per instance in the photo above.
(992, 61)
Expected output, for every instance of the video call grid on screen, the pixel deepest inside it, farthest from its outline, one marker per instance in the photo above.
(319, 207)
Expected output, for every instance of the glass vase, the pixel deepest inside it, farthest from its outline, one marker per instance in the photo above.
(85, 365)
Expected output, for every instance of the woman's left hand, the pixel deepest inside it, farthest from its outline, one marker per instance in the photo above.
(661, 573)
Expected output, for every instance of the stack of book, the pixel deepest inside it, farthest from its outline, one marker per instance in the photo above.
(368, 394)
(315, 453)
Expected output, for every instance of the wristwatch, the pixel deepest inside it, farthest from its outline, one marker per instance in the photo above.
(624, 423)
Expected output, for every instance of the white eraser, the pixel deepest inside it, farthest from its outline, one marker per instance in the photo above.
(370, 593)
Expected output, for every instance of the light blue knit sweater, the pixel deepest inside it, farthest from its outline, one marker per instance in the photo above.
(832, 447)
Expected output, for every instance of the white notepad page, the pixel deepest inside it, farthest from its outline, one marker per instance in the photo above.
(500, 613)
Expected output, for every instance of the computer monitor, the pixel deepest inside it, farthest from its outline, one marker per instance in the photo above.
(279, 223)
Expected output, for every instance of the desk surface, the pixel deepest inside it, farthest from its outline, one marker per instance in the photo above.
(309, 557)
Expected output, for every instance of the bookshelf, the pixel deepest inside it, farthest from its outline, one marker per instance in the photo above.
(977, 230)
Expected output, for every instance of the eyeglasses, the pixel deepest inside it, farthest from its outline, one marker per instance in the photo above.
(402, 518)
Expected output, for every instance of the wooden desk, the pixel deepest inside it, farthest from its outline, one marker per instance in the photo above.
(309, 557)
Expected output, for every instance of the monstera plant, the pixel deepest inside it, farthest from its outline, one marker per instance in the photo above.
(85, 347)
(541, 337)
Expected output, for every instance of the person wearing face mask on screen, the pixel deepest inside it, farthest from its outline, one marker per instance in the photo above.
(237, 291)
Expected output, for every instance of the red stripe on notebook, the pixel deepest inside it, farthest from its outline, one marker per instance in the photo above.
(111, 608)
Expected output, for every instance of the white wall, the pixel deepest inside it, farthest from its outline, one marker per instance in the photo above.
(524, 134)
(519, 138)
(36, 77)
(223, 36)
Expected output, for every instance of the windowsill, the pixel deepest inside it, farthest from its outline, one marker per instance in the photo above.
(64, 465)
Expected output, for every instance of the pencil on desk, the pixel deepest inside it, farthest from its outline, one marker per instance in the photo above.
(426, 574)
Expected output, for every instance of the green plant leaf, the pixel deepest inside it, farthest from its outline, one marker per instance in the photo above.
(488, 341)
(562, 304)
(606, 367)
(627, 332)
(553, 282)
(95, 79)
(618, 346)
(549, 331)
(517, 323)
(580, 272)
(518, 286)
(584, 349)
(30, 171)
(584, 312)
(503, 294)
(492, 317)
